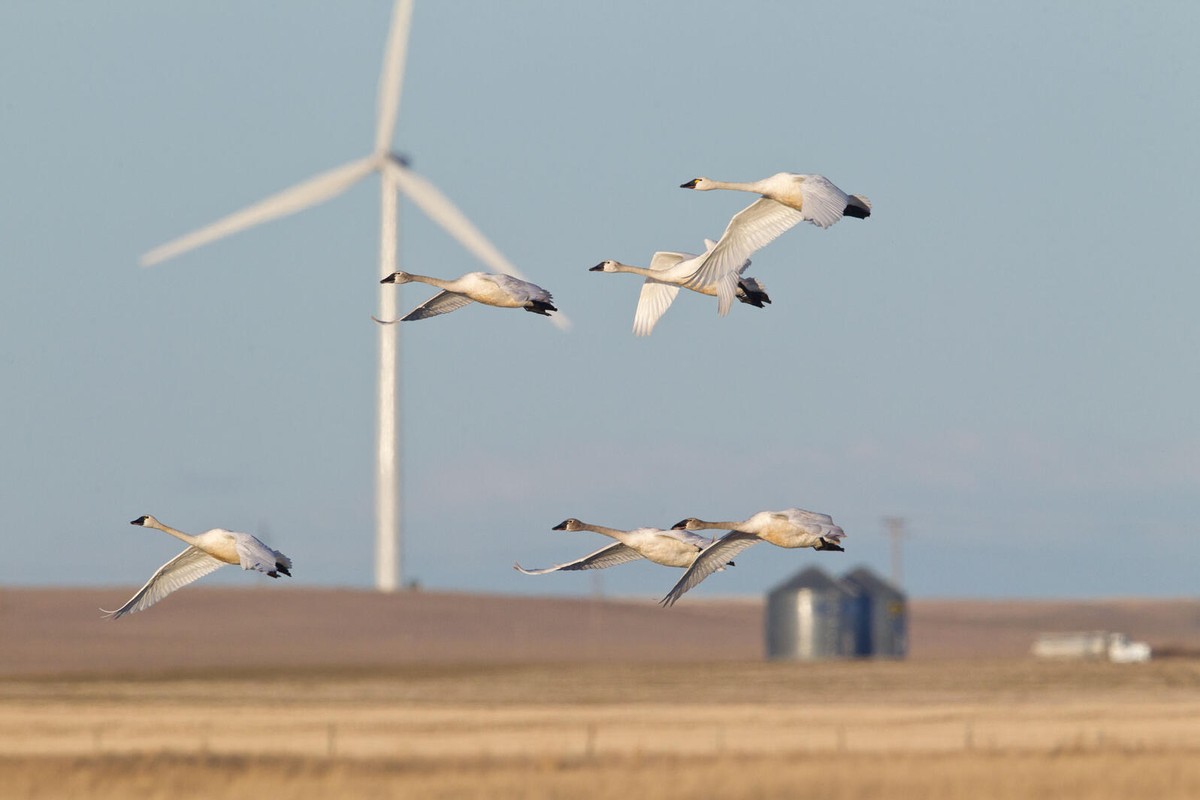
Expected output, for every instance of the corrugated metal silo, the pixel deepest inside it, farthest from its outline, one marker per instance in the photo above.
(883, 629)
(807, 618)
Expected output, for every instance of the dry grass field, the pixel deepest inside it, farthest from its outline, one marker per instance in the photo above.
(323, 713)
(1006, 729)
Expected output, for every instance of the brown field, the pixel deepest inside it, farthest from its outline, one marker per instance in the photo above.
(438, 695)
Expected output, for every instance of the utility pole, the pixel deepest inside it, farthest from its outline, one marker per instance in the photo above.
(896, 532)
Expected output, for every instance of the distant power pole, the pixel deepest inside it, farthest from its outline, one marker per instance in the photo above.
(896, 532)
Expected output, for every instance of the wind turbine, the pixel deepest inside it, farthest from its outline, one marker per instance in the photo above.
(394, 176)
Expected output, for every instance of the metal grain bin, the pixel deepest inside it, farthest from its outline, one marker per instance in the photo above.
(809, 617)
(882, 629)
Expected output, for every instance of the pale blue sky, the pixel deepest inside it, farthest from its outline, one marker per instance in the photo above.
(1005, 354)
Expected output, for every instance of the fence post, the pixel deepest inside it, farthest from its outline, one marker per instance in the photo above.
(589, 749)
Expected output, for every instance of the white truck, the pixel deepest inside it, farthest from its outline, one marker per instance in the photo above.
(1091, 645)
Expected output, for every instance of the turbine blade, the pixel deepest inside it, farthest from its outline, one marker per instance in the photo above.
(302, 195)
(391, 79)
(438, 207)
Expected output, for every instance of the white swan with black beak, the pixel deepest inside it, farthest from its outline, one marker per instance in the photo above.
(205, 552)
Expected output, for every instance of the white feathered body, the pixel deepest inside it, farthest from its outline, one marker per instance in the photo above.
(665, 547)
(816, 197)
(492, 289)
(792, 527)
(243, 549)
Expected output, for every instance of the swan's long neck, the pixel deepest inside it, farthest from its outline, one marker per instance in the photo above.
(643, 271)
(438, 282)
(728, 526)
(168, 529)
(612, 532)
(753, 186)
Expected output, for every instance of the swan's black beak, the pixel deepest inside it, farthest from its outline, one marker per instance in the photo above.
(681, 525)
(389, 279)
(598, 268)
(139, 521)
(689, 185)
(562, 526)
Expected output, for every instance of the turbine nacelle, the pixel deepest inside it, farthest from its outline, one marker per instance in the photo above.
(396, 158)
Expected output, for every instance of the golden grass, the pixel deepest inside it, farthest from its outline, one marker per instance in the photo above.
(1006, 729)
(1094, 774)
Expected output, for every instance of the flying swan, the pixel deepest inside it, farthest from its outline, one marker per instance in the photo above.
(671, 548)
(792, 527)
(787, 200)
(608, 556)
(669, 271)
(206, 552)
(492, 289)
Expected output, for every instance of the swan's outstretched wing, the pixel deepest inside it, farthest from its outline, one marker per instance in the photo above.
(610, 556)
(254, 554)
(752, 228)
(833, 533)
(653, 302)
(801, 515)
(687, 537)
(664, 260)
(823, 203)
(656, 297)
(711, 559)
(441, 303)
(190, 565)
(517, 288)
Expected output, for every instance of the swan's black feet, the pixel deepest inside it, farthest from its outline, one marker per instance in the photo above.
(752, 297)
(828, 545)
(540, 307)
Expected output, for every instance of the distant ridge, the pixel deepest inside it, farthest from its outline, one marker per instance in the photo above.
(47, 632)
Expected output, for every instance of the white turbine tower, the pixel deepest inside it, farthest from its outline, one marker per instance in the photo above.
(395, 176)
